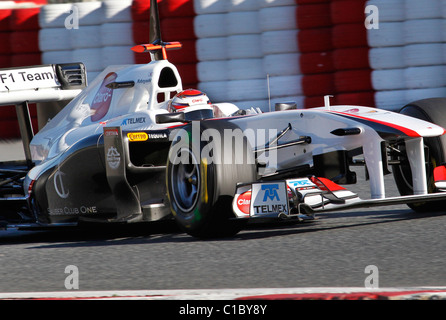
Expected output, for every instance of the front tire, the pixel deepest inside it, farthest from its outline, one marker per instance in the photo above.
(201, 188)
(432, 110)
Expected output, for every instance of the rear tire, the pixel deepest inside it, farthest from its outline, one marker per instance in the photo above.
(432, 110)
(201, 189)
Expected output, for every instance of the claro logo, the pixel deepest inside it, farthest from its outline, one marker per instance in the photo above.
(102, 99)
(244, 202)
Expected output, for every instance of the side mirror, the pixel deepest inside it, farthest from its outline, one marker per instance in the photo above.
(170, 117)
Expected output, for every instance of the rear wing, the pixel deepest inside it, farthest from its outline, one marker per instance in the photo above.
(54, 82)
(44, 83)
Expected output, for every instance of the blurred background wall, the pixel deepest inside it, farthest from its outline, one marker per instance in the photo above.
(250, 52)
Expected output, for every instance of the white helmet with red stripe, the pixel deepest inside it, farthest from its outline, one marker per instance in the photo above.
(188, 100)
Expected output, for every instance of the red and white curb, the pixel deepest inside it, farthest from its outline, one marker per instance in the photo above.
(418, 293)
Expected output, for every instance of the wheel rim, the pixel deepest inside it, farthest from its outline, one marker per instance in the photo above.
(185, 180)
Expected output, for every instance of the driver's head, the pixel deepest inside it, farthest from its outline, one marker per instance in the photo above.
(189, 98)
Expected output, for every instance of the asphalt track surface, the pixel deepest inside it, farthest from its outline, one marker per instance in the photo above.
(407, 249)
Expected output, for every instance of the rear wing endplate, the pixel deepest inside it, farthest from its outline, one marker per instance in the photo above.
(44, 83)
(53, 82)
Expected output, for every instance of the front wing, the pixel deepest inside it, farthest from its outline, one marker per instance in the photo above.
(302, 198)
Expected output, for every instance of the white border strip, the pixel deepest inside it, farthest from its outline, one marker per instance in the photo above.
(217, 294)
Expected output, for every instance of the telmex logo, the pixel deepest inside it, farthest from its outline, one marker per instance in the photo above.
(133, 121)
(271, 192)
(137, 136)
(269, 199)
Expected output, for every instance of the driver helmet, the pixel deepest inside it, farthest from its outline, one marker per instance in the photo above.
(189, 99)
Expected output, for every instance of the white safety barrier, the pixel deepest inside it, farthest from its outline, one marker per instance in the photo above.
(259, 51)
(247, 51)
(19, 29)
(407, 51)
(54, 15)
(116, 11)
(79, 32)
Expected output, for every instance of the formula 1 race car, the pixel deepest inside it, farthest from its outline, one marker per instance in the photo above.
(133, 146)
